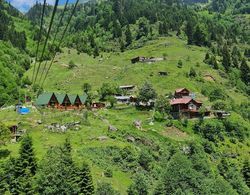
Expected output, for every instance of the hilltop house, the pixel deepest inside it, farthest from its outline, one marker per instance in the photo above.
(61, 101)
(183, 105)
(127, 87)
(182, 92)
(145, 59)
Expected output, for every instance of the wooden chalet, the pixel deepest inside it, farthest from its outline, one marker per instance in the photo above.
(182, 92)
(145, 59)
(61, 101)
(183, 105)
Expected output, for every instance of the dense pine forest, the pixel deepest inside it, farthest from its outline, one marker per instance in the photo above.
(134, 148)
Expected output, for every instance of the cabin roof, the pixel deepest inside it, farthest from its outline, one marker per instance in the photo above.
(180, 90)
(183, 101)
(83, 98)
(43, 99)
(60, 97)
(72, 98)
(126, 86)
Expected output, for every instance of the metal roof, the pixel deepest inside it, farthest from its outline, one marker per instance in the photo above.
(43, 99)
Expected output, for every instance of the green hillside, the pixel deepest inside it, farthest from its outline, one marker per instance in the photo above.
(127, 148)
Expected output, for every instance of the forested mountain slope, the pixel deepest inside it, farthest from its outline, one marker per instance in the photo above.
(124, 148)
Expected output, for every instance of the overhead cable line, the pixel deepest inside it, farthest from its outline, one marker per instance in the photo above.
(47, 38)
(61, 40)
(53, 43)
(39, 39)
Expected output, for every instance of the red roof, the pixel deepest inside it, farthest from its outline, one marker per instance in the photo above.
(180, 90)
(183, 101)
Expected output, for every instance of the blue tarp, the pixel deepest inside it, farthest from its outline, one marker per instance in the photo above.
(23, 111)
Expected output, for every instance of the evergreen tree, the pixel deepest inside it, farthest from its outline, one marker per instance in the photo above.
(246, 172)
(5, 135)
(199, 36)
(236, 57)
(117, 30)
(84, 181)
(128, 36)
(190, 32)
(139, 187)
(245, 72)
(226, 61)
(27, 158)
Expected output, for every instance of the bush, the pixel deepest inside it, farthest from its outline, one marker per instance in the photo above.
(217, 94)
(71, 64)
(108, 172)
(180, 64)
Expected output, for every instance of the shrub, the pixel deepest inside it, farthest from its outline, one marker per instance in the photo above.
(180, 64)
(108, 172)
(71, 64)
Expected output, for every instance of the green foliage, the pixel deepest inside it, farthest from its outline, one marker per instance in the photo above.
(230, 172)
(71, 64)
(112, 100)
(212, 130)
(245, 72)
(162, 105)
(220, 105)
(21, 170)
(180, 64)
(139, 187)
(145, 159)
(107, 90)
(86, 88)
(217, 94)
(146, 93)
(105, 189)
(4, 134)
(192, 73)
(58, 174)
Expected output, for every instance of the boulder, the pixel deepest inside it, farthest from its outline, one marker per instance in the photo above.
(138, 124)
(112, 128)
(130, 139)
(39, 122)
(102, 138)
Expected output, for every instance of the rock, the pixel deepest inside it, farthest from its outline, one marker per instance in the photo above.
(151, 123)
(39, 122)
(137, 124)
(112, 128)
(102, 138)
(63, 128)
(130, 139)
(186, 149)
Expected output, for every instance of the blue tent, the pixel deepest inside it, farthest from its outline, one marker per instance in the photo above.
(23, 110)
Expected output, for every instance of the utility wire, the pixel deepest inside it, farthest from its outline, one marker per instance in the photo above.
(61, 40)
(39, 39)
(53, 43)
(47, 38)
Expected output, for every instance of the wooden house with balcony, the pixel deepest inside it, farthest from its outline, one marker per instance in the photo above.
(183, 105)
